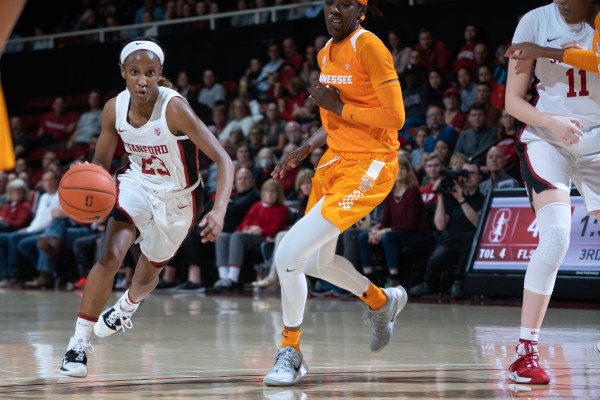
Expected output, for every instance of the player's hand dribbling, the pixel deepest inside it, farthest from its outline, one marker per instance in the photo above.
(213, 226)
(290, 160)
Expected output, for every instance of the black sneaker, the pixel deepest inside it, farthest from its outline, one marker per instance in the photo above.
(162, 284)
(75, 362)
(420, 290)
(457, 292)
(188, 287)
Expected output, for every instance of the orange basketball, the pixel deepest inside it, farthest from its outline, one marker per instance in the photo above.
(87, 193)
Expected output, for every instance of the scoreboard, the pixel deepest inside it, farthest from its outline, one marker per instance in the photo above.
(508, 236)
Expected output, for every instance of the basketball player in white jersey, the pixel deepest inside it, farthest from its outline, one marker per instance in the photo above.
(159, 192)
(558, 144)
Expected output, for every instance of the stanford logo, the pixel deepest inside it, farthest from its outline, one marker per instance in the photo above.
(89, 201)
(157, 131)
(500, 225)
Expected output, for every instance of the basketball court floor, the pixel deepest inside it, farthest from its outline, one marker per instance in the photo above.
(219, 347)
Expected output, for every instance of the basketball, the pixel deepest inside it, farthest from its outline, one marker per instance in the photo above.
(87, 193)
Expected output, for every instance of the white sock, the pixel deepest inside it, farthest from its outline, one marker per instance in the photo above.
(531, 334)
(223, 272)
(126, 304)
(234, 273)
(83, 328)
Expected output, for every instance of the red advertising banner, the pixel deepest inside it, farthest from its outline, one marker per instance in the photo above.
(509, 238)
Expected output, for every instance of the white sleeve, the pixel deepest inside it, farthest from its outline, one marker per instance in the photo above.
(527, 28)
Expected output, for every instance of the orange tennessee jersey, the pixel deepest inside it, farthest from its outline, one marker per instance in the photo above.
(355, 66)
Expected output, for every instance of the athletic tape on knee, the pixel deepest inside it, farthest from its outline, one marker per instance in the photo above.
(554, 227)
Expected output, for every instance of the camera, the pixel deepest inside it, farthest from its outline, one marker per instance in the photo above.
(449, 176)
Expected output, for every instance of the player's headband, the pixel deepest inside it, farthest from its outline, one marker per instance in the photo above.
(142, 45)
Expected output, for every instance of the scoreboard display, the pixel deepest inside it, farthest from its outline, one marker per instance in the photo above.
(508, 236)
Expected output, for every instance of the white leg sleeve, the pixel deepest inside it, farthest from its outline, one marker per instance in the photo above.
(554, 226)
(309, 247)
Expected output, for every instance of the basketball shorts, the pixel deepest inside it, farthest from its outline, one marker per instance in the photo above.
(353, 184)
(546, 164)
(162, 219)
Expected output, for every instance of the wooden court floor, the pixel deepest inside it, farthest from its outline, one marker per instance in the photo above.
(219, 347)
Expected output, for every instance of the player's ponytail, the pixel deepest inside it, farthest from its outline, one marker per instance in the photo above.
(162, 81)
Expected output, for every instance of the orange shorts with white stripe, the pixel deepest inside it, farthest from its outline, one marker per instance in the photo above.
(353, 184)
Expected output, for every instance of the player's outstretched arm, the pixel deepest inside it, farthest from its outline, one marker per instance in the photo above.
(181, 119)
(294, 158)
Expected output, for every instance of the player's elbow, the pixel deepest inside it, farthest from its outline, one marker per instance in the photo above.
(396, 118)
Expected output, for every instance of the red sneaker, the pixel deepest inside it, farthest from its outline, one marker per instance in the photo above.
(525, 367)
(80, 283)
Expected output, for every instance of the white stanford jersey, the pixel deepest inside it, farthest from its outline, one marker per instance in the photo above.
(562, 89)
(158, 159)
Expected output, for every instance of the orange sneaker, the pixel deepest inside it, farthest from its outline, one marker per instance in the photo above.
(525, 367)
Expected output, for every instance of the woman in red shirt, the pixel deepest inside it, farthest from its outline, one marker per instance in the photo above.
(16, 212)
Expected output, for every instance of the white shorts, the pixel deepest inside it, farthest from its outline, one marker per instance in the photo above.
(550, 165)
(162, 219)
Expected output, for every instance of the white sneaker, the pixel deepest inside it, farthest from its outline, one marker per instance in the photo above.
(112, 321)
(75, 361)
(383, 318)
(289, 368)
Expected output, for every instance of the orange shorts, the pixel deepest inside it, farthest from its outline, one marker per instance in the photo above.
(353, 184)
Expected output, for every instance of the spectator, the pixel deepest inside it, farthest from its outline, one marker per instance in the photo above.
(245, 195)
(501, 65)
(152, 30)
(310, 63)
(264, 219)
(293, 133)
(248, 82)
(20, 138)
(183, 85)
(453, 116)
(256, 138)
(243, 156)
(472, 142)
(484, 74)
(219, 119)
(212, 91)
(507, 136)
(404, 223)
(244, 19)
(436, 86)
(275, 62)
(292, 98)
(444, 149)
(433, 168)
(414, 95)
(264, 165)
(418, 153)
(456, 217)
(437, 128)
(466, 54)
(157, 12)
(315, 157)
(16, 212)
(9, 255)
(434, 52)
(274, 127)
(495, 163)
(457, 161)
(484, 93)
(292, 62)
(56, 126)
(400, 51)
(86, 251)
(468, 88)
(89, 122)
(482, 55)
(48, 158)
(240, 117)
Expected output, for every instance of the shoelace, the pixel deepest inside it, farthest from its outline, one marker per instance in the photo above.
(286, 362)
(531, 357)
(124, 319)
(377, 319)
(81, 347)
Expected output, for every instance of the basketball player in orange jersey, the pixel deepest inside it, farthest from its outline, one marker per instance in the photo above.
(159, 194)
(362, 110)
(568, 53)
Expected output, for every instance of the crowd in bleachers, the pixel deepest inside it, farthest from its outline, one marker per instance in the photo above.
(112, 14)
(455, 120)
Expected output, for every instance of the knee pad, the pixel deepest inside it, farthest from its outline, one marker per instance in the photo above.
(554, 227)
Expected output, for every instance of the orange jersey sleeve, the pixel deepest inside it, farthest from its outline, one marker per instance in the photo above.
(588, 60)
(356, 67)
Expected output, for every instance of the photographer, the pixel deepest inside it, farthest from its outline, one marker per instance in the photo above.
(459, 204)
